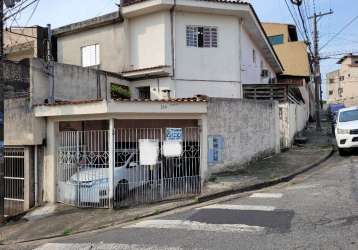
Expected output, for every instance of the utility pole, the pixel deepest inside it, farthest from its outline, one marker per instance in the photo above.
(316, 65)
(2, 83)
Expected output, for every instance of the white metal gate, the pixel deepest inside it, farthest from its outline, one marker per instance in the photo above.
(14, 180)
(84, 168)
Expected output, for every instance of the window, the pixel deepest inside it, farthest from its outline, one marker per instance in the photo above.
(90, 55)
(144, 93)
(341, 78)
(275, 40)
(348, 116)
(330, 92)
(254, 56)
(331, 80)
(202, 36)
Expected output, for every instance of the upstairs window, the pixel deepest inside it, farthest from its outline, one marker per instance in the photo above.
(144, 93)
(276, 40)
(90, 55)
(202, 36)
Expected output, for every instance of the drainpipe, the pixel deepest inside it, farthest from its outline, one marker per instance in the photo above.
(240, 57)
(172, 31)
(36, 177)
(50, 65)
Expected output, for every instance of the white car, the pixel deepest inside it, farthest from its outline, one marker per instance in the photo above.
(91, 184)
(347, 129)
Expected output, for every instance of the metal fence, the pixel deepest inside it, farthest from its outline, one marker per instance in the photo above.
(14, 181)
(84, 168)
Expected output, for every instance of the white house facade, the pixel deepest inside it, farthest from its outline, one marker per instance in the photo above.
(179, 48)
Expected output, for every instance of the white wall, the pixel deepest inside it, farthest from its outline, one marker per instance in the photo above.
(149, 40)
(215, 64)
(251, 72)
(293, 119)
(112, 42)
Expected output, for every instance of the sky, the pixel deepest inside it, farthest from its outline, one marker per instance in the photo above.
(63, 12)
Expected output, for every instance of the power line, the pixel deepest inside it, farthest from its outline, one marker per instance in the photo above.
(294, 20)
(340, 31)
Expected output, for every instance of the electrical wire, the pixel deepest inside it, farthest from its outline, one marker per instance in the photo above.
(294, 19)
(340, 31)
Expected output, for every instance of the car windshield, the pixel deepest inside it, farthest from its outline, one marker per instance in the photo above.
(347, 116)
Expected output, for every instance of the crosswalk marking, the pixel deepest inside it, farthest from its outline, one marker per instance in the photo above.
(102, 246)
(196, 226)
(267, 195)
(238, 207)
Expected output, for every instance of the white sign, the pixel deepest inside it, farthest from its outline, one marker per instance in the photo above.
(172, 148)
(148, 152)
(174, 134)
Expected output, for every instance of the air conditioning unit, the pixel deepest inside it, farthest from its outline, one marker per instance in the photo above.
(264, 73)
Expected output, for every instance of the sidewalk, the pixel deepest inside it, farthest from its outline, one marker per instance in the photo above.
(59, 220)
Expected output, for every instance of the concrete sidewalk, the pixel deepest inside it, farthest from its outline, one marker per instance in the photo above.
(59, 220)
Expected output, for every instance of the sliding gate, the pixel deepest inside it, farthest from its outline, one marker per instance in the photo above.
(149, 165)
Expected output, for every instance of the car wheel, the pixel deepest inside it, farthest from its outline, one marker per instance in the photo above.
(122, 190)
(342, 152)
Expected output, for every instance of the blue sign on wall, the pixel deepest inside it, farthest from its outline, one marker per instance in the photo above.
(215, 149)
(174, 134)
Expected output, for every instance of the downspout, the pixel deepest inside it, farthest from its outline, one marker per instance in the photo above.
(36, 175)
(240, 58)
(172, 32)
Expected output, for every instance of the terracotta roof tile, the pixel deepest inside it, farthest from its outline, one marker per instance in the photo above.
(130, 2)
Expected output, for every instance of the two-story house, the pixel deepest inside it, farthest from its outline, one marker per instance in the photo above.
(175, 48)
(130, 110)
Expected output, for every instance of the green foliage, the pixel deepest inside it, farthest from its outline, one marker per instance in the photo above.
(67, 231)
(120, 92)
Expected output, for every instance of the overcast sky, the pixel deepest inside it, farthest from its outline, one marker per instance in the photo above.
(63, 12)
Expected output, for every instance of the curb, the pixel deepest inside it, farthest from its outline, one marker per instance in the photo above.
(198, 200)
(266, 184)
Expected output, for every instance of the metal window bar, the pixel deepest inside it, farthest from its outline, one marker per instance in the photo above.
(14, 181)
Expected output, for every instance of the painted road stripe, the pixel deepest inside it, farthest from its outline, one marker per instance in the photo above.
(196, 226)
(102, 246)
(239, 207)
(267, 195)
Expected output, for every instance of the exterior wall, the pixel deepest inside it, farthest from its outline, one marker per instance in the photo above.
(111, 40)
(251, 72)
(293, 119)
(71, 82)
(250, 130)
(149, 40)
(21, 127)
(208, 63)
(184, 89)
(294, 58)
(274, 29)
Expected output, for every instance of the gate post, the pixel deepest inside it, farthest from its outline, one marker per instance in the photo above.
(111, 148)
(50, 177)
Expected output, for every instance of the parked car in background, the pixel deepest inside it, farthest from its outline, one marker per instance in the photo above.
(332, 114)
(347, 129)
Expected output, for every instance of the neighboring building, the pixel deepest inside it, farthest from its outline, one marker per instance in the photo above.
(341, 84)
(175, 48)
(25, 42)
(295, 60)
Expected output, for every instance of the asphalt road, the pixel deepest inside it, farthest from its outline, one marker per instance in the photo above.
(318, 210)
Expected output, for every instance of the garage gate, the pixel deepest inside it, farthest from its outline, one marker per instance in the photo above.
(14, 165)
(142, 165)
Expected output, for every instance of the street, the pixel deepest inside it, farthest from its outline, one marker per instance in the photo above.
(317, 210)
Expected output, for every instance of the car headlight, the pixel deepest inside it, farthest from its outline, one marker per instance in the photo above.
(343, 131)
